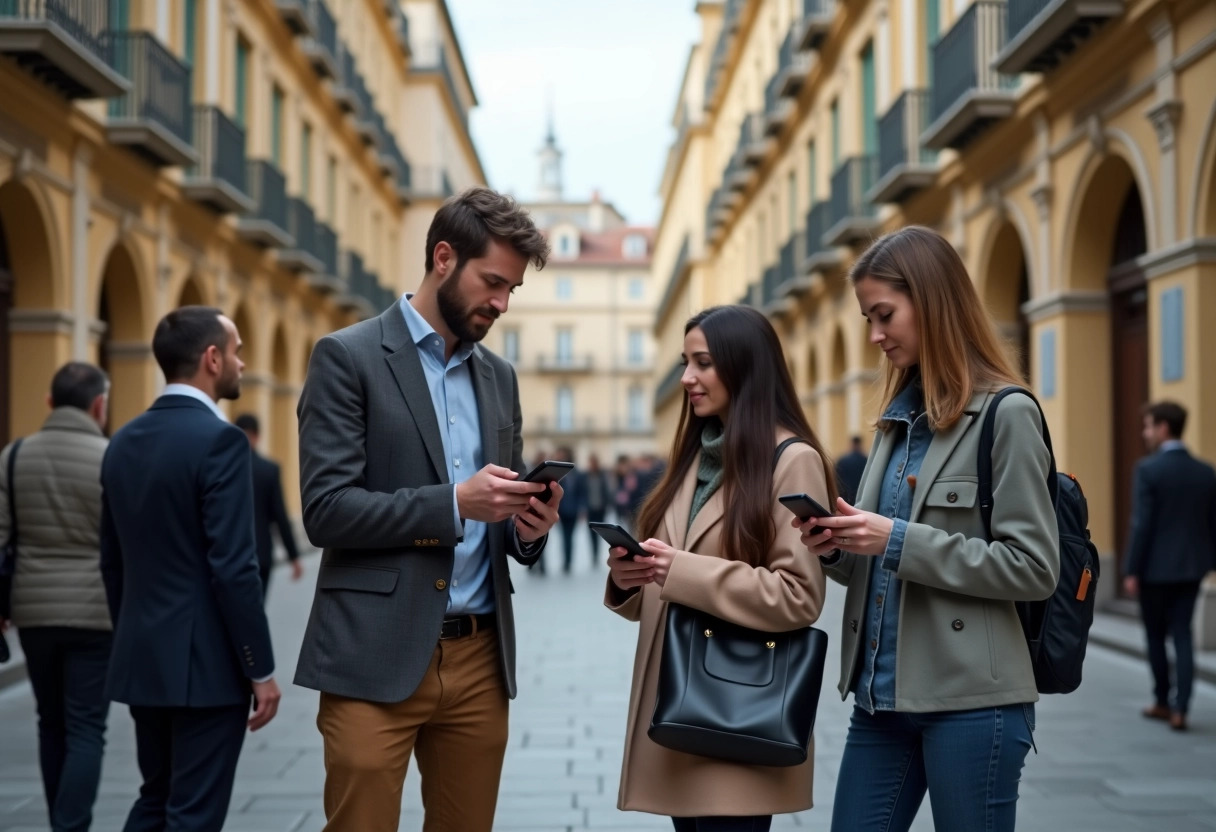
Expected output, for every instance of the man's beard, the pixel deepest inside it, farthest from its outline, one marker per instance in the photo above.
(458, 316)
(228, 388)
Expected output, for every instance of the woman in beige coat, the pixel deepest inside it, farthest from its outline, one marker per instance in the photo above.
(718, 541)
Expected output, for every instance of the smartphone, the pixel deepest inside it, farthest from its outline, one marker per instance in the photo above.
(615, 535)
(551, 470)
(804, 507)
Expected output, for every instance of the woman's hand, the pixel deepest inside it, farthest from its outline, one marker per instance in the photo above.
(628, 574)
(853, 530)
(661, 556)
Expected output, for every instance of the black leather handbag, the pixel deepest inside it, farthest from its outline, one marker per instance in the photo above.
(734, 693)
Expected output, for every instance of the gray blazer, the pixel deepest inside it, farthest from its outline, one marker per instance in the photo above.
(377, 499)
(960, 642)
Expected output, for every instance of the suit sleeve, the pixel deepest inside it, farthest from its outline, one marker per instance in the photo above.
(526, 553)
(227, 517)
(111, 559)
(1022, 561)
(339, 511)
(1143, 512)
(278, 511)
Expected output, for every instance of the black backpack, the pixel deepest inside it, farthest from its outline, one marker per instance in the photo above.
(1057, 629)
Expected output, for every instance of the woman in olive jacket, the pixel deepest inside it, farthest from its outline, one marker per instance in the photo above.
(932, 648)
(719, 541)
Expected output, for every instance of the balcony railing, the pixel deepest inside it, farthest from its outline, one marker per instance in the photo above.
(583, 363)
(153, 118)
(430, 182)
(754, 144)
(904, 164)
(362, 292)
(854, 218)
(793, 65)
(968, 94)
(777, 108)
(302, 226)
(717, 64)
(322, 46)
(343, 89)
(266, 224)
(793, 254)
(399, 23)
(1042, 33)
(64, 43)
(365, 113)
(816, 22)
(218, 180)
(435, 60)
(326, 279)
(820, 256)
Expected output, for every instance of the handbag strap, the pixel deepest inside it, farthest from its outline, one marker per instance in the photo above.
(12, 495)
(793, 440)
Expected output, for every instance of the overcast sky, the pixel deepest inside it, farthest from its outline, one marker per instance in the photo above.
(611, 69)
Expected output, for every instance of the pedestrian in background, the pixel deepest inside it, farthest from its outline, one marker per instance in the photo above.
(1171, 547)
(268, 508)
(848, 470)
(719, 542)
(191, 642)
(573, 506)
(624, 482)
(58, 600)
(597, 495)
(933, 649)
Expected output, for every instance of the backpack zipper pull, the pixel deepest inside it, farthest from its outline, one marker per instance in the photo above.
(1083, 588)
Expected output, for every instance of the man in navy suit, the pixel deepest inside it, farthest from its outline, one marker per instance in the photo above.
(1173, 545)
(268, 507)
(191, 643)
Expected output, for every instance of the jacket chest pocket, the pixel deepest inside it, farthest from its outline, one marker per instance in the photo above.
(953, 493)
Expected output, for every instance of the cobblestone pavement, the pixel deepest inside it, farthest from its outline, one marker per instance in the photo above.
(1099, 767)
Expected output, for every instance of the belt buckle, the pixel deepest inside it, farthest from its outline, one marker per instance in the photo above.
(452, 628)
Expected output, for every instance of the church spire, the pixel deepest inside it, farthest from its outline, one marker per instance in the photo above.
(549, 186)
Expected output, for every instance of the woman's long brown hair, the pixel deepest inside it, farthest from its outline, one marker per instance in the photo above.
(960, 350)
(750, 363)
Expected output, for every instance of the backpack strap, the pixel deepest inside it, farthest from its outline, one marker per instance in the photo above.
(793, 440)
(984, 461)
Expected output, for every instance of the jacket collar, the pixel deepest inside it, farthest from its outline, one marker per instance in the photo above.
(71, 419)
(681, 535)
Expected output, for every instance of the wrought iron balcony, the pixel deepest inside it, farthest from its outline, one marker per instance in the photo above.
(153, 118)
(772, 301)
(301, 256)
(777, 108)
(399, 23)
(218, 179)
(582, 363)
(266, 224)
(816, 22)
(343, 89)
(793, 254)
(321, 47)
(326, 279)
(63, 43)
(1042, 33)
(904, 165)
(716, 213)
(362, 293)
(854, 218)
(434, 60)
(365, 113)
(968, 94)
(297, 16)
(753, 141)
(669, 385)
(793, 65)
(820, 256)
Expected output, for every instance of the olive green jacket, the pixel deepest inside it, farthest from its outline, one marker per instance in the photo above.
(960, 643)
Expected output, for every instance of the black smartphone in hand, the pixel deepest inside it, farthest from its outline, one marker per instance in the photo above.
(804, 508)
(615, 535)
(551, 470)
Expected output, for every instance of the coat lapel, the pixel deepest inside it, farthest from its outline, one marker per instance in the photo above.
(487, 413)
(941, 447)
(406, 366)
(676, 518)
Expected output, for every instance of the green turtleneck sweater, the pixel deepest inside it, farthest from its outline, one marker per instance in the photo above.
(709, 472)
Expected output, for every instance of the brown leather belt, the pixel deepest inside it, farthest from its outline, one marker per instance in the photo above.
(459, 626)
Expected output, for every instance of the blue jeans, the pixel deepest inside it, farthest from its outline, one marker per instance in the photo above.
(970, 762)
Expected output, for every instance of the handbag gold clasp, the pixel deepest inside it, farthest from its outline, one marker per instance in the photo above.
(770, 644)
(709, 633)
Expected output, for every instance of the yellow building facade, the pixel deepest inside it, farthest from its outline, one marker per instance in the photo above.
(274, 158)
(1067, 149)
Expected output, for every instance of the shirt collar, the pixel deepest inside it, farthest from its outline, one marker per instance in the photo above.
(421, 330)
(907, 401)
(1171, 445)
(176, 389)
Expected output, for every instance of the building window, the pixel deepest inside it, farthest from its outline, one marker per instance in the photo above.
(636, 346)
(565, 408)
(637, 408)
(565, 345)
(306, 162)
(835, 117)
(637, 288)
(567, 245)
(634, 246)
(190, 32)
(276, 127)
(510, 345)
(241, 98)
(331, 189)
(565, 288)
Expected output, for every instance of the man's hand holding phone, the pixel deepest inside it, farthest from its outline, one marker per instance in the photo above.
(494, 493)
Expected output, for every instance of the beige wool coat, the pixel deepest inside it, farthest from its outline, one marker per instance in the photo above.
(784, 593)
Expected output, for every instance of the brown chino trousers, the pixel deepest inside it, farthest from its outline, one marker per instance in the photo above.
(456, 724)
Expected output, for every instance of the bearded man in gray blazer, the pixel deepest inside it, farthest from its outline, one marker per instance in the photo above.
(410, 454)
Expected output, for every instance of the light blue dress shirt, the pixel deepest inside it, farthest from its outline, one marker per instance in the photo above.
(177, 389)
(875, 685)
(450, 381)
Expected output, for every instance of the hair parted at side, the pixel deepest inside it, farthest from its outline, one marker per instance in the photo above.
(1171, 413)
(750, 363)
(960, 350)
(468, 220)
(77, 384)
(183, 336)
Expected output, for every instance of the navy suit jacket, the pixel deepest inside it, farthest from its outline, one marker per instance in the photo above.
(1173, 536)
(179, 563)
(269, 508)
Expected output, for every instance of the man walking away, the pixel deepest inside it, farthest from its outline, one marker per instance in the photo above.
(1172, 546)
(180, 569)
(58, 600)
(571, 508)
(597, 494)
(849, 469)
(268, 507)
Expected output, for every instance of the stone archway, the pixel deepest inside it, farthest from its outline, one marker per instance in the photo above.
(191, 293)
(1006, 290)
(27, 293)
(125, 348)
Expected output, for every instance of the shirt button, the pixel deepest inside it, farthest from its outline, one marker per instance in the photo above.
(457, 463)
(441, 584)
(452, 420)
(878, 600)
(455, 584)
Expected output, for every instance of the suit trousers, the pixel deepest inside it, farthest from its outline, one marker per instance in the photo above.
(187, 757)
(1167, 609)
(456, 723)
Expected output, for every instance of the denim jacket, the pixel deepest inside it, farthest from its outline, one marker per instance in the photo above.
(875, 685)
